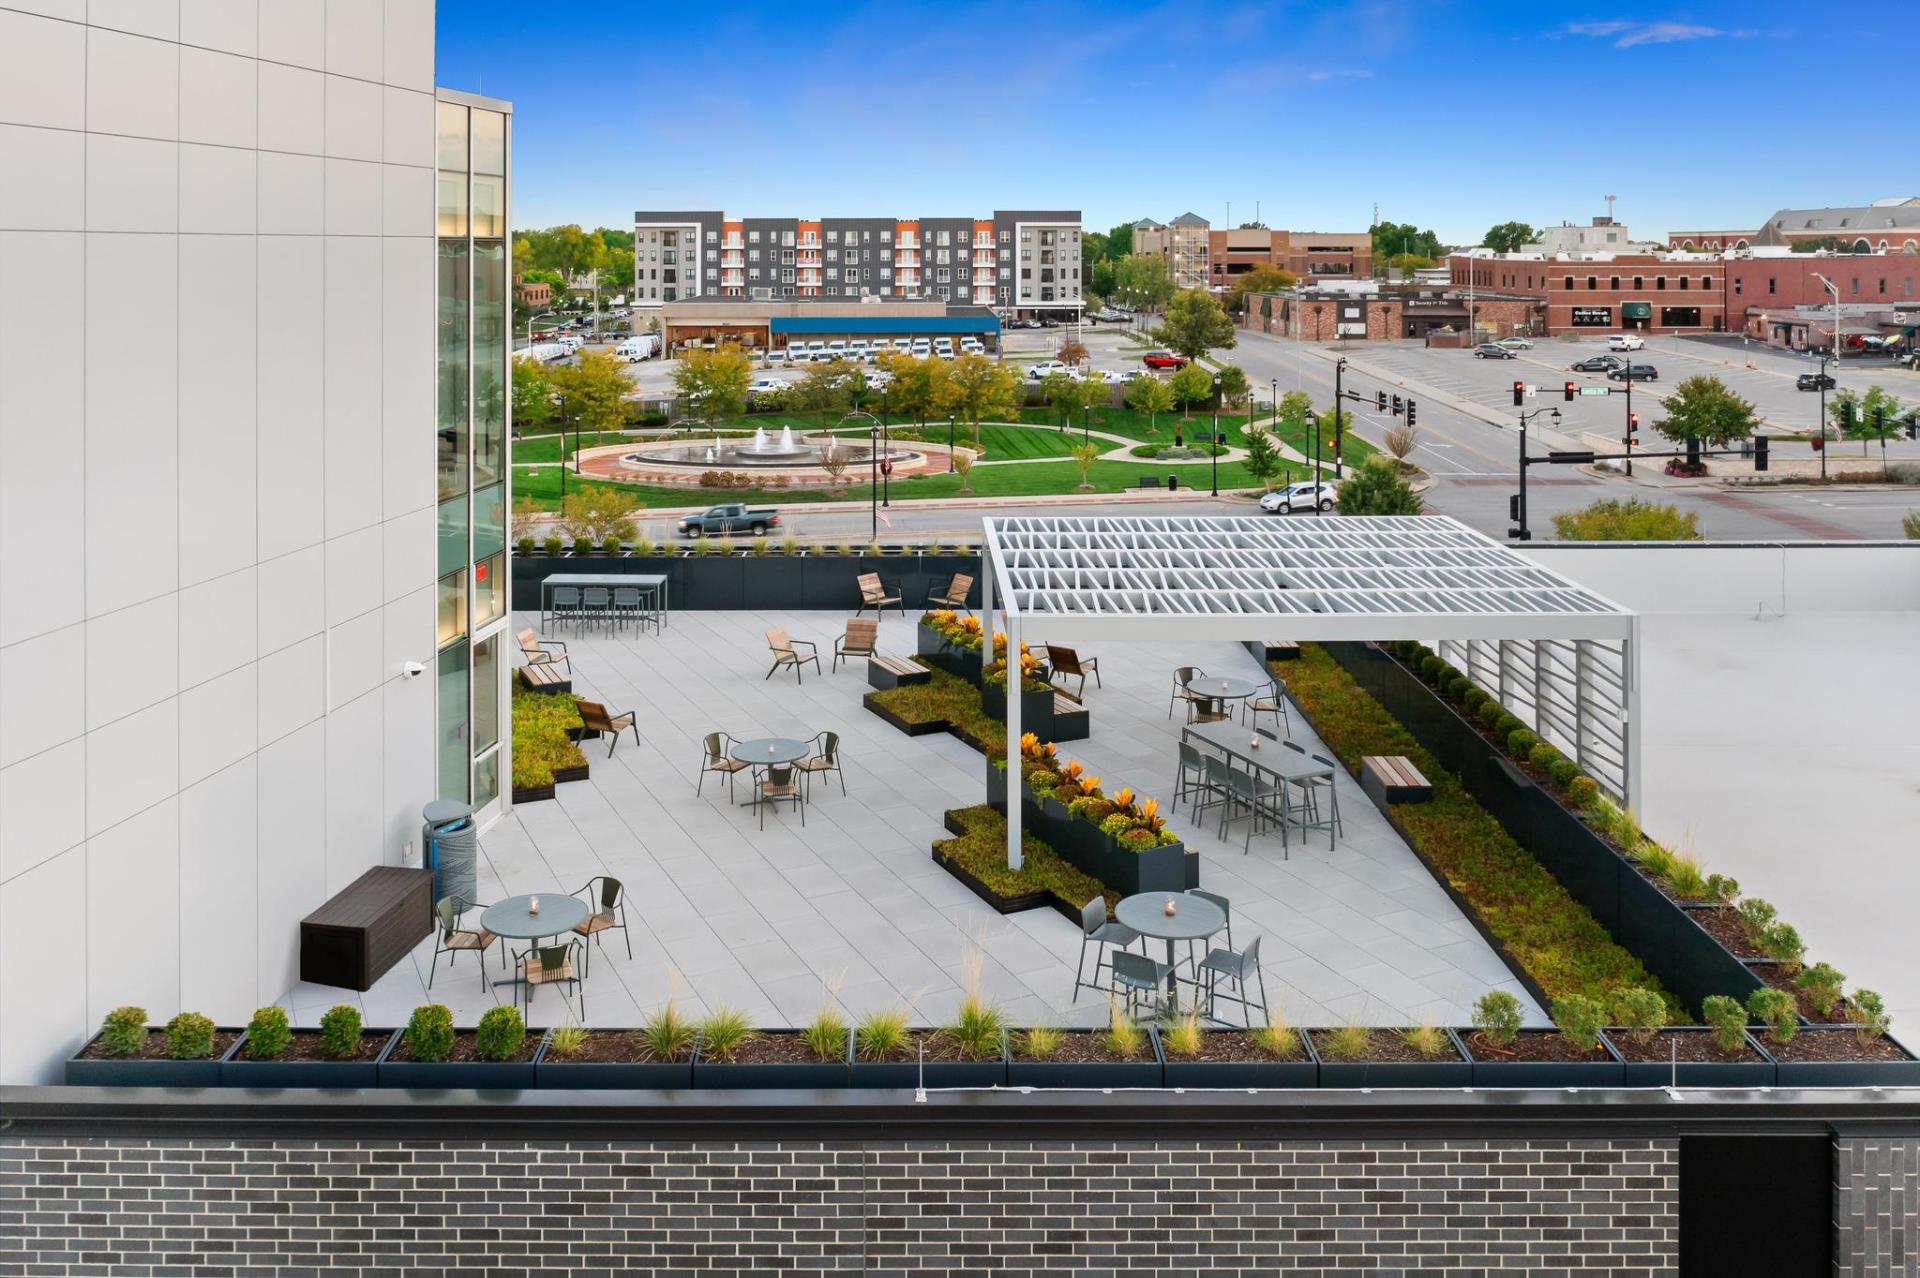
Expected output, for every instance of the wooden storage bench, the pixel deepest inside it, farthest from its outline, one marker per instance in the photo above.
(372, 924)
(894, 672)
(1392, 778)
(1071, 722)
(545, 677)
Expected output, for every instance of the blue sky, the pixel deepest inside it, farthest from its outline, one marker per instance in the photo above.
(1449, 114)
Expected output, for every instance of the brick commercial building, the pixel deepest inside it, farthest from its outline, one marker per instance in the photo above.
(1710, 241)
(1325, 316)
(1884, 226)
(1200, 256)
(1640, 292)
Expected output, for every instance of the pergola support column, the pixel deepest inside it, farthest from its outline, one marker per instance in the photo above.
(1014, 687)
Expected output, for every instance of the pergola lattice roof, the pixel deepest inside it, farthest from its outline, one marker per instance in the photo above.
(1301, 577)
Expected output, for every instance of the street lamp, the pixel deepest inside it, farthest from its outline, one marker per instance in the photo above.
(875, 428)
(1834, 290)
(1213, 440)
(1314, 458)
(1822, 424)
(563, 447)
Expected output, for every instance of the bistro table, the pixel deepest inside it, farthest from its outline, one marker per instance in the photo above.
(514, 918)
(1194, 919)
(1292, 765)
(655, 582)
(762, 752)
(1212, 693)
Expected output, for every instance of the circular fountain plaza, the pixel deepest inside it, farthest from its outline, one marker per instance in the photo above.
(781, 457)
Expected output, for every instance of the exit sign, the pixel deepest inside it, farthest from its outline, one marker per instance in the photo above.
(1596, 390)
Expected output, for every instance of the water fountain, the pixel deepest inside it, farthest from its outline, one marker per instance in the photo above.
(785, 449)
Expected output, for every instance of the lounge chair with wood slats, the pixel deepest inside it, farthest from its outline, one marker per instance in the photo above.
(537, 653)
(954, 596)
(1065, 661)
(861, 639)
(786, 652)
(597, 718)
(877, 594)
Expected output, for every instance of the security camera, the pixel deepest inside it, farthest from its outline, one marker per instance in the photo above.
(412, 670)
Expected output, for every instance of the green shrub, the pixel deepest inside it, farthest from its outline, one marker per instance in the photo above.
(500, 1035)
(1783, 945)
(723, 1033)
(1727, 1019)
(123, 1031)
(340, 1033)
(1116, 824)
(1458, 687)
(1139, 839)
(1777, 1010)
(1723, 889)
(826, 1035)
(1757, 914)
(189, 1037)
(1473, 701)
(1520, 742)
(552, 545)
(1543, 755)
(268, 1033)
(1870, 1011)
(1562, 771)
(523, 546)
(1506, 725)
(429, 1033)
(1822, 983)
(1639, 1011)
(1582, 791)
(1580, 1020)
(1490, 713)
(1634, 519)
(1498, 1016)
(1430, 668)
(667, 1035)
(978, 1027)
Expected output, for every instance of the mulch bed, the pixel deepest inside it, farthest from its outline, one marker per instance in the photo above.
(1236, 1045)
(939, 1045)
(1091, 1048)
(1835, 1045)
(1533, 1045)
(776, 1049)
(465, 1049)
(1841, 1013)
(155, 1048)
(1383, 1045)
(1668, 1045)
(608, 1048)
(305, 1046)
(1724, 924)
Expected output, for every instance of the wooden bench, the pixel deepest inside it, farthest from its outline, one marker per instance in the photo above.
(1265, 650)
(885, 671)
(1071, 722)
(1392, 778)
(373, 923)
(545, 678)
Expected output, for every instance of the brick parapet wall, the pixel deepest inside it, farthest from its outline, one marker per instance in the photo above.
(1876, 1207)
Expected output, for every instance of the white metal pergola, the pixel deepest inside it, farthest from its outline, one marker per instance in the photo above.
(1308, 578)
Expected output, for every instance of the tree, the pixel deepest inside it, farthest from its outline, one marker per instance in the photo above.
(1074, 397)
(1102, 281)
(714, 383)
(598, 515)
(1191, 386)
(1055, 387)
(916, 383)
(1403, 237)
(833, 460)
(1818, 244)
(1508, 237)
(532, 395)
(1877, 399)
(1702, 408)
(1073, 352)
(1151, 396)
(1194, 324)
(1631, 520)
(1407, 263)
(595, 391)
(824, 388)
(975, 388)
(1378, 488)
(1263, 459)
(1143, 281)
(1294, 407)
(1261, 279)
(963, 459)
(1084, 456)
(1234, 384)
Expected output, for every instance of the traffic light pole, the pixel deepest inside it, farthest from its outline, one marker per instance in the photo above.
(1520, 502)
(1517, 510)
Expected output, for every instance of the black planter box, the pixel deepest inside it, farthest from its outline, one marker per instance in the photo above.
(1847, 1073)
(1071, 725)
(907, 1074)
(238, 1071)
(1636, 913)
(1036, 709)
(137, 1071)
(1083, 845)
(1251, 1074)
(550, 1073)
(532, 794)
(736, 582)
(576, 773)
(446, 1075)
(1088, 1074)
(1755, 1073)
(1504, 1073)
(806, 1075)
(1448, 1071)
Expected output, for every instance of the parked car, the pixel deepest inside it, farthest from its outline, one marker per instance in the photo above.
(1814, 381)
(1515, 343)
(730, 518)
(1108, 376)
(1163, 359)
(1301, 496)
(1634, 373)
(1134, 374)
(1597, 364)
(1490, 350)
(1045, 369)
(1626, 342)
(764, 385)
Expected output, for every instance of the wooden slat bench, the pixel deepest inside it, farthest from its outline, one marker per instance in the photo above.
(887, 671)
(1392, 778)
(545, 677)
(373, 923)
(1071, 722)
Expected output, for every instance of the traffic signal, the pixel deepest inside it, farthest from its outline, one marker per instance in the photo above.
(1759, 452)
(1570, 391)
(1910, 427)
(1519, 394)
(1380, 401)
(1633, 430)
(1846, 417)
(1396, 405)
(1880, 422)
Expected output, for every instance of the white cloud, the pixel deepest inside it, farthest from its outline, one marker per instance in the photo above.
(1626, 35)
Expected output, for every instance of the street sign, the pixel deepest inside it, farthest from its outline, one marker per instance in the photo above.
(1596, 390)
(1532, 390)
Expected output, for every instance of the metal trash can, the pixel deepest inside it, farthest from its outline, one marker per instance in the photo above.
(450, 847)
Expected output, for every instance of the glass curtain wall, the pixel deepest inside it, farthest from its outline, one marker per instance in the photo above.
(471, 467)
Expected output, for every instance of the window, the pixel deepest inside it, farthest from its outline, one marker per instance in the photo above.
(1770, 285)
(1593, 282)
(713, 273)
(1739, 285)
(942, 275)
(886, 255)
(1614, 283)
(1855, 286)
(833, 255)
(966, 237)
(1660, 283)
(1006, 237)
(1883, 286)
(1639, 281)
(786, 275)
(786, 256)
(713, 237)
(942, 255)
(1683, 283)
(753, 237)
(1569, 281)
(886, 237)
(943, 293)
(833, 272)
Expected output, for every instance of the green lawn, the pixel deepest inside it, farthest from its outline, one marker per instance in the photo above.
(1124, 421)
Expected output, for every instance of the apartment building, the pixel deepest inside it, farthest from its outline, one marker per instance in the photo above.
(1017, 261)
(1200, 257)
(269, 441)
(1183, 242)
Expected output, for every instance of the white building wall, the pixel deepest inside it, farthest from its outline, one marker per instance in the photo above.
(216, 492)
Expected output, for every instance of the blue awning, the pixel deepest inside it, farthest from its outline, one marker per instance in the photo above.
(890, 325)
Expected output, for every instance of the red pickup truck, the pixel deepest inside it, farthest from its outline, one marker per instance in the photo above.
(1163, 359)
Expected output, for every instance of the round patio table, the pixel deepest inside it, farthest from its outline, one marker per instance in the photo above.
(762, 751)
(1212, 692)
(1194, 918)
(513, 918)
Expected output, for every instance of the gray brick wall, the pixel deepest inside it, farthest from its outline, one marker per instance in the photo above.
(1876, 1207)
(135, 1207)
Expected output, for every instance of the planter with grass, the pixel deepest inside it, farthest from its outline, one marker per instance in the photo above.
(127, 1052)
(497, 1053)
(732, 1056)
(1123, 1055)
(885, 1051)
(656, 1056)
(341, 1053)
(1576, 1054)
(1363, 1056)
(1273, 1055)
(1857, 1055)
